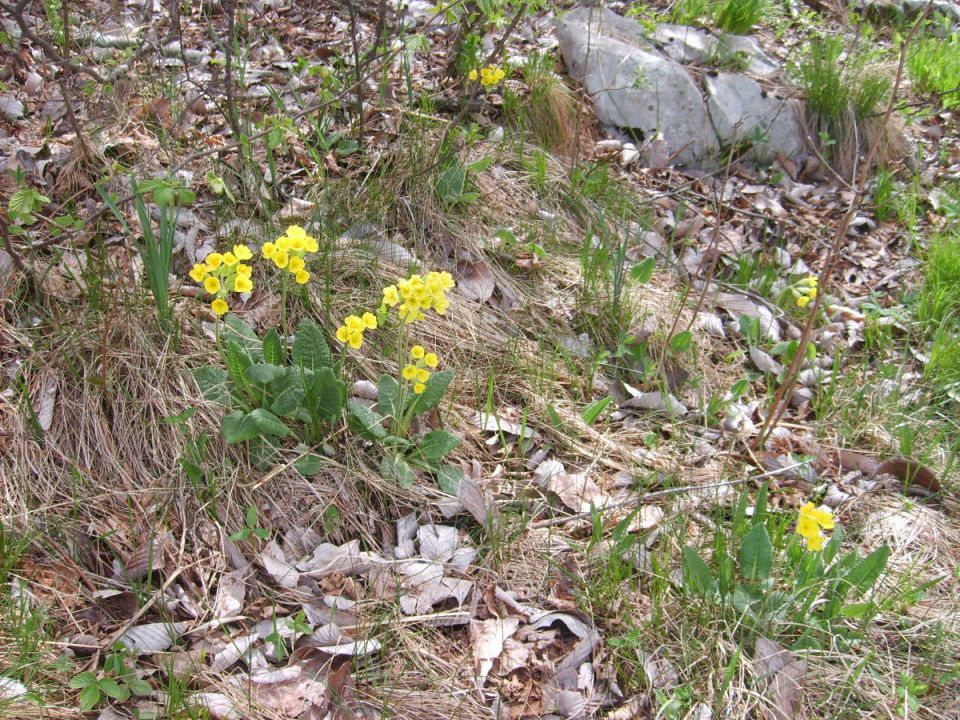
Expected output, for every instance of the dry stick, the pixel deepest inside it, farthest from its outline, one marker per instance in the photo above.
(781, 398)
(230, 7)
(664, 493)
(357, 71)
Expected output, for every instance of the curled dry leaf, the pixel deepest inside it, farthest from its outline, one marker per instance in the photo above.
(658, 401)
(11, 689)
(711, 324)
(231, 592)
(488, 422)
(783, 675)
(275, 563)
(475, 280)
(577, 491)
(152, 637)
(764, 362)
(217, 704)
(738, 305)
(487, 638)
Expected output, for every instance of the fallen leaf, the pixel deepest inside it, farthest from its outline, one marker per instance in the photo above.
(275, 563)
(475, 280)
(152, 637)
(487, 638)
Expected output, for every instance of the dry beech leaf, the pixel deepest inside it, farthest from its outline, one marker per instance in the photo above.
(475, 280)
(217, 704)
(231, 592)
(488, 422)
(657, 401)
(348, 559)
(487, 638)
(783, 675)
(738, 305)
(277, 567)
(764, 362)
(152, 637)
(437, 542)
(11, 689)
(577, 491)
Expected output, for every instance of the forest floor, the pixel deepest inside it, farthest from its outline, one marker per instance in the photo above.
(657, 444)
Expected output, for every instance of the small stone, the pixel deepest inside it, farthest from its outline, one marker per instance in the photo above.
(10, 108)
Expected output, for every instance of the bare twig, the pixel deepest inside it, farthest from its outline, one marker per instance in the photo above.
(781, 399)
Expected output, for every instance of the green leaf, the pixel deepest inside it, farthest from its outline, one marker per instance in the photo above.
(452, 183)
(449, 479)
(264, 373)
(365, 421)
(760, 511)
(181, 418)
(238, 360)
(697, 577)
(595, 409)
(273, 348)
(268, 423)
(288, 393)
(642, 272)
(84, 679)
(438, 443)
(395, 467)
(111, 688)
(236, 330)
(868, 571)
(480, 165)
(859, 610)
(436, 388)
(140, 687)
(89, 697)
(681, 341)
(756, 553)
(214, 384)
(388, 397)
(309, 465)
(326, 393)
(310, 349)
(238, 426)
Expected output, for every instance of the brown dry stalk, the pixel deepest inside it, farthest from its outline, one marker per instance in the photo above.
(782, 397)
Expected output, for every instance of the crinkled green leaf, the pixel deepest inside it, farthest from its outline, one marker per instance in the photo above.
(264, 373)
(436, 388)
(310, 349)
(365, 421)
(395, 467)
(438, 443)
(272, 347)
(236, 330)
(214, 384)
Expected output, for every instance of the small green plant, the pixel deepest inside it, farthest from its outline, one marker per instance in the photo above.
(796, 582)
(118, 682)
(268, 389)
(740, 16)
(156, 250)
(455, 185)
(251, 528)
(22, 208)
(934, 67)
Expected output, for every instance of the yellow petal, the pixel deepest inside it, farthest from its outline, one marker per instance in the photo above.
(243, 284)
(409, 372)
(212, 285)
(303, 277)
(423, 375)
(198, 273)
(419, 388)
(417, 352)
(219, 306)
(342, 334)
(214, 260)
(369, 321)
(431, 360)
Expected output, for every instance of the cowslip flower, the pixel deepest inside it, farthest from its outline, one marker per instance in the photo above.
(223, 273)
(289, 252)
(812, 522)
(418, 293)
(489, 76)
(805, 291)
(417, 372)
(351, 332)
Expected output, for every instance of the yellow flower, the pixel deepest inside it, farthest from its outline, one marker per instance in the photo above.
(423, 375)
(390, 295)
(283, 243)
(199, 272)
(441, 306)
(296, 264)
(807, 527)
(229, 259)
(242, 252)
(811, 524)
(817, 542)
(821, 516)
(369, 321)
(491, 75)
(242, 284)
(280, 258)
(410, 372)
(342, 334)
(417, 352)
(431, 360)
(473, 74)
(355, 339)
(354, 322)
(295, 232)
(803, 301)
(419, 388)
(214, 260)
(812, 292)
(219, 306)
(302, 277)
(243, 270)
(310, 244)
(212, 285)
(297, 244)
(268, 250)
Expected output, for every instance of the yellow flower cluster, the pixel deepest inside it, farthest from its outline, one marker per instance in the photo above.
(289, 251)
(805, 291)
(415, 294)
(813, 521)
(489, 76)
(417, 372)
(351, 332)
(224, 273)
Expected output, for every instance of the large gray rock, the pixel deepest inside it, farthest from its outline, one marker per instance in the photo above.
(640, 81)
(744, 113)
(633, 86)
(689, 46)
